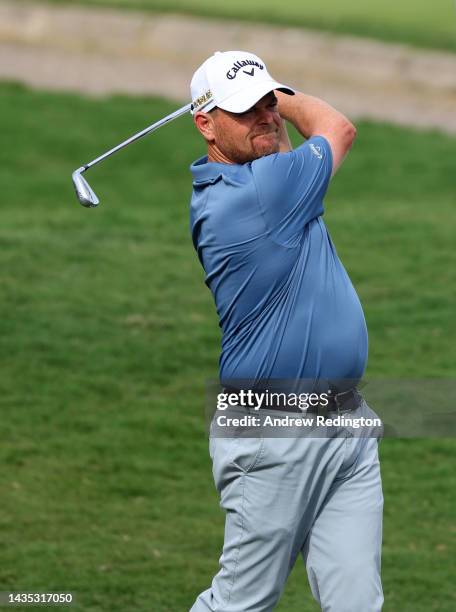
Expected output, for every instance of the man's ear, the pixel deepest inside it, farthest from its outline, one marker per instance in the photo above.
(205, 124)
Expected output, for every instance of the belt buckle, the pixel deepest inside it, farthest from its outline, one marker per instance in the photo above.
(340, 406)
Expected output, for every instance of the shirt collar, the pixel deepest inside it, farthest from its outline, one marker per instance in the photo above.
(209, 172)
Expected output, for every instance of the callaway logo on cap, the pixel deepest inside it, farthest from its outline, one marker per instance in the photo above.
(233, 81)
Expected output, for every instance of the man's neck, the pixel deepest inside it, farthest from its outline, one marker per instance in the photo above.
(215, 155)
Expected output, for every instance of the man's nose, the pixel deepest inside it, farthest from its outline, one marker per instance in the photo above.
(266, 115)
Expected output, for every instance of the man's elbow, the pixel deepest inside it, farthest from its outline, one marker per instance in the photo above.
(348, 134)
(341, 143)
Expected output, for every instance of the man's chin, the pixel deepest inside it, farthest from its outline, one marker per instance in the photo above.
(266, 144)
(268, 149)
(260, 148)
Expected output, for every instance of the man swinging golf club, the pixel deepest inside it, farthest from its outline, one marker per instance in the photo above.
(287, 310)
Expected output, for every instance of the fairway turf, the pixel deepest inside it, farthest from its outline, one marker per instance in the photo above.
(428, 24)
(108, 334)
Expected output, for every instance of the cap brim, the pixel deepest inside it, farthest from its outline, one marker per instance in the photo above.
(246, 98)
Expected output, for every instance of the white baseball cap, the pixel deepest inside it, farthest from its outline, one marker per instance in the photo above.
(233, 81)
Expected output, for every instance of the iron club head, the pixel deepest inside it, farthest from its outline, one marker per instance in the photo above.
(84, 192)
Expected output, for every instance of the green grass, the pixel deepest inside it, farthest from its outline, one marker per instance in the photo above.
(108, 335)
(428, 24)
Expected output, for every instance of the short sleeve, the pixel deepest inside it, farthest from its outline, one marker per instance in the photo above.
(291, 187)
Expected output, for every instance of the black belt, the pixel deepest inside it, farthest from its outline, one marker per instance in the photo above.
(345, 401)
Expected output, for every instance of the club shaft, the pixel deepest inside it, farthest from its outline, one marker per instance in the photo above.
(148, 130)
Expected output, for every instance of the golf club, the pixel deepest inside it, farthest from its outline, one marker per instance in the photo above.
(84, 192)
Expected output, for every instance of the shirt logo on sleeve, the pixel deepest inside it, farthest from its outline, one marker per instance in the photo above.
(316, 150)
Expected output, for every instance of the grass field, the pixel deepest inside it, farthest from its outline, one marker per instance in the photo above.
(108, 335)
(429, 24)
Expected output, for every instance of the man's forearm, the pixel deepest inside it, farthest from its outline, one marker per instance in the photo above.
(308, 114)
(312, 116)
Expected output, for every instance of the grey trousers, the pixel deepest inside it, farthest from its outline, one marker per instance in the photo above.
(318, 497)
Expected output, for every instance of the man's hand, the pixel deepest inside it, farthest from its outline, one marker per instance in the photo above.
(313, 117)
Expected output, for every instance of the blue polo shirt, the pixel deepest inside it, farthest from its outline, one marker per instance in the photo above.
(286, 306)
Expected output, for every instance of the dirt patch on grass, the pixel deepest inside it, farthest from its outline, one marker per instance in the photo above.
(101, 51)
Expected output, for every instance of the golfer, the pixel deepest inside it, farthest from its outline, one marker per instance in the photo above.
(288, 311)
